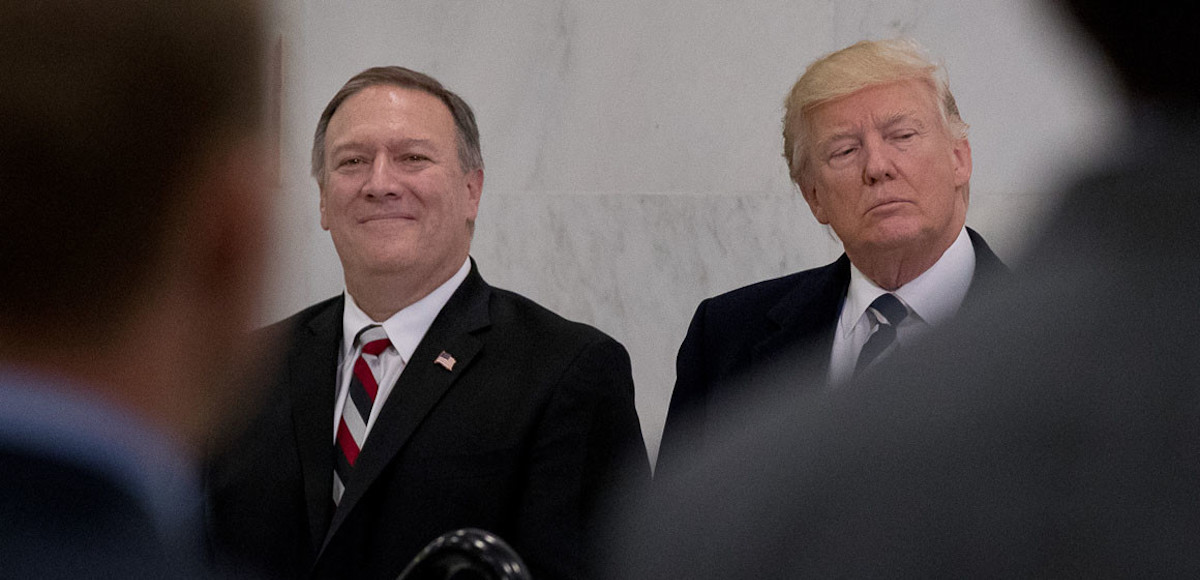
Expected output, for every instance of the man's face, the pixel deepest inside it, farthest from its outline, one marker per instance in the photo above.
(884, 172)
(394, 196)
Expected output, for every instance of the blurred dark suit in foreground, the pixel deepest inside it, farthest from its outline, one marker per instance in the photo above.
(133, 212)
(1061, 440)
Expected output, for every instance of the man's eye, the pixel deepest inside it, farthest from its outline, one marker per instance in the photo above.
(843, 152)
(352, 162)
(905, 135)
(415, 157)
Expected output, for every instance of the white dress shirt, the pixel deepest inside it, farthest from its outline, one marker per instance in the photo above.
(932, 298)
(405, 329)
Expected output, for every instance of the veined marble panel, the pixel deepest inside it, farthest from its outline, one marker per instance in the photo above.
(637, 265)
(684, 96)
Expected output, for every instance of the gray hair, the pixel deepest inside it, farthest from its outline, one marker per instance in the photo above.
(470, 157)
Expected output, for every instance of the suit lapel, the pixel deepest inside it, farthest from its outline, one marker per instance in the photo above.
(421, 385)
(313, 392)
(989, 272)
(806, 317)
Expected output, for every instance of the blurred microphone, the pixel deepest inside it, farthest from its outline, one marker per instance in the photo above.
(466, 554)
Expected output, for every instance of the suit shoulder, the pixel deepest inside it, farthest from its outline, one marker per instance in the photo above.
(767, 293)
(301, 318)
(520, 314)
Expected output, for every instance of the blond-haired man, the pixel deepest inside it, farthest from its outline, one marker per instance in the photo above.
(874, 140)
(1057, 444)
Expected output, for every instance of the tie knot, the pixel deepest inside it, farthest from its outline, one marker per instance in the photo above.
(889, 310)
(374, 339)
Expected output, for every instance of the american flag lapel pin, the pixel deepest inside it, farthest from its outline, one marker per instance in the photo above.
(445, 361)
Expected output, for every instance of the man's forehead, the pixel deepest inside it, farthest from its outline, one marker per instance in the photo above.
(876, 105)
(384, 102)
(394, 114)
(880, 120)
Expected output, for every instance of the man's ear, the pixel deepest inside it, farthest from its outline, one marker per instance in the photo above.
(809, 191)
(321, 187)
(961, 153)
(474, 192)
(229, 219)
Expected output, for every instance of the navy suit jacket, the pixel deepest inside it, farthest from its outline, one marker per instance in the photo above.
(89, 489)
(1063, 442)
(525, 437)
(737, 336)
(65, 520)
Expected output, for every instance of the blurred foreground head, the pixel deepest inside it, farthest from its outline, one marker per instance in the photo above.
(132, 198)
(1151, 45)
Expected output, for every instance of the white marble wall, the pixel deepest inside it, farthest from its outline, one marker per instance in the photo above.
(633, 147)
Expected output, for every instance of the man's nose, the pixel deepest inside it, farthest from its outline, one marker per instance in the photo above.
(879, 165)
(382, 181)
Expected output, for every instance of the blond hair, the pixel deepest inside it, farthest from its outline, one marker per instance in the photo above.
(864, 64)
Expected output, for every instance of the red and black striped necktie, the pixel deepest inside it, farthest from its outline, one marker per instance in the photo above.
(364, 386)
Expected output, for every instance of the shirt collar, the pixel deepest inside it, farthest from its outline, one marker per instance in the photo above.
(407, 327)
(937, 293)
(934, 296)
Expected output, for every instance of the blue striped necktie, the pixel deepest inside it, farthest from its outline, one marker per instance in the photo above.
(888, 312)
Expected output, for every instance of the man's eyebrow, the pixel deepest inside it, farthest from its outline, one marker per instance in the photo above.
(400, 143)
(898, 117)
(840, 135)
(409, 142)
(340, 146)
(886, 122)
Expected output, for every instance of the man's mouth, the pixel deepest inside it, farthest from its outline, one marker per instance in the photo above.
(394, 215)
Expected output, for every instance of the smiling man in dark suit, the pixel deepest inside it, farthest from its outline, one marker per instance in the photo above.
(423, 400)
(874, 140)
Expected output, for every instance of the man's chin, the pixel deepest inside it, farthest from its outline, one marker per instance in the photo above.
(393, 265)
(901, 238)
(895, 235)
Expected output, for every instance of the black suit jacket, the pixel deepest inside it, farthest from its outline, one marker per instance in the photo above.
(525, 438)
(741, 334)
(1052, 433)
